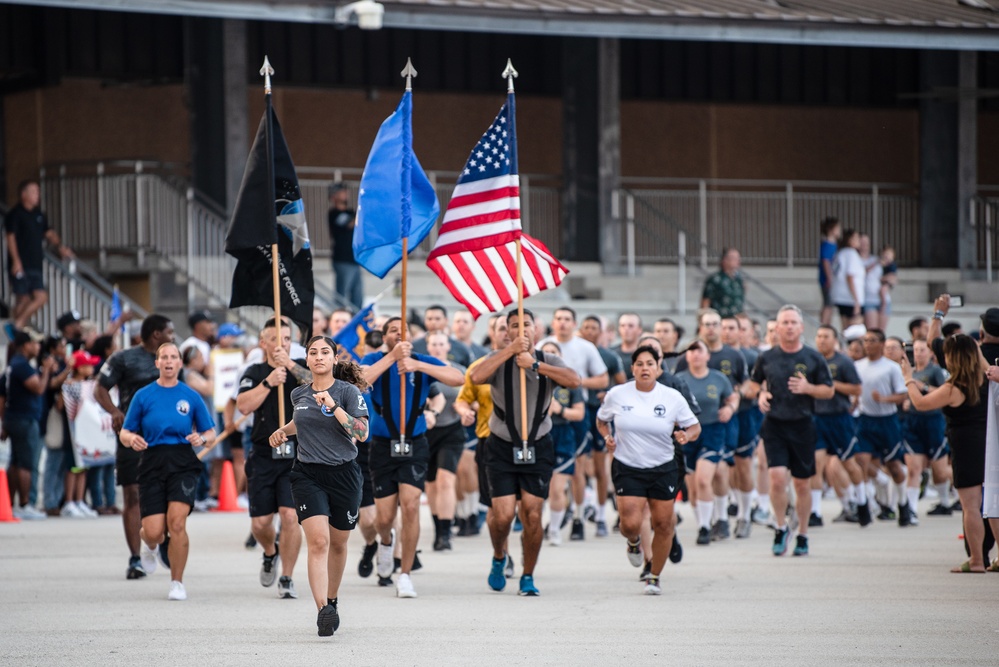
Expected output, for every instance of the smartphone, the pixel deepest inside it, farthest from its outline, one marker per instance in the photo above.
(908, 350)
(956, 300)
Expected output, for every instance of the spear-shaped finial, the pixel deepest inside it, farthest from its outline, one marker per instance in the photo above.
(509, 74)
(410, 73)
(267, 71)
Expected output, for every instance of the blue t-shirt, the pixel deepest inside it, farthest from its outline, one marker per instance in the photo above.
(379, 427)
(21, 401)
(167, 415)
(827, 252)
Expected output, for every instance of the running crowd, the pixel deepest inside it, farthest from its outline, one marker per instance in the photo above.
(744, 421)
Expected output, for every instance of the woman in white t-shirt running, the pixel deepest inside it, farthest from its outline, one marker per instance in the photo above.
(647, 420)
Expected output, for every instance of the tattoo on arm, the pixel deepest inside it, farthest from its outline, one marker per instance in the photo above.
(303, 375)
(356, 427)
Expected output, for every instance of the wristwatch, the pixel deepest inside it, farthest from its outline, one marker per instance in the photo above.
(204, 441)
(536, 365)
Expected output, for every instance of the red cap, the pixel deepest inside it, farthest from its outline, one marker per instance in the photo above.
(84, 358)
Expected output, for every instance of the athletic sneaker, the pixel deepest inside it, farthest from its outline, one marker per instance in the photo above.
(384, 562)
(780, 541)
(676, 551)
(404, 587)
(905, 515)
(848, 515)
(384, 582)
(652, 586)
(367, 564)
(71, 511)
(554, 536)
(720, 531)
(864, 514)
(497, 579)
(328, 620)
(940, 510)
(577, 531)
(163, 552)
(443, 542)
(177, 591)
(814, 520)
(148, 558)
(135, 570)
(517, 525)
(635, 556)
(801, 548)
(87, 510)
(29, 513)
(763, 517)
(251, 542)
(703, 536)
(601, 529)
(269, 568)
(743, 528)
(733, 509)
(527, 587)
(286, 589)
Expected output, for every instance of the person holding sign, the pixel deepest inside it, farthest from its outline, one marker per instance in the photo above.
(268, 471)
(399, 454)
(520, 455)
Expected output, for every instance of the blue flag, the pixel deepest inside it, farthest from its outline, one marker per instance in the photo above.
(396, 199)
(115, 305)
(351, 337)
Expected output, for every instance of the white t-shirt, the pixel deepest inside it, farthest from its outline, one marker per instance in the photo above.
(644, 422)
(203, 346)
(847, 263)
(872, 281)
(883, 376)
(581, 356)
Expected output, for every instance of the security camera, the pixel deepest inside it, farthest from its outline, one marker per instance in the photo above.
(369, 14)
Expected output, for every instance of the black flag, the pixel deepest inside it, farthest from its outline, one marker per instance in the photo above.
(263, 216)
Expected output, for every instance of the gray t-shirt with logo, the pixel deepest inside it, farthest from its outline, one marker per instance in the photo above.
(321, 437)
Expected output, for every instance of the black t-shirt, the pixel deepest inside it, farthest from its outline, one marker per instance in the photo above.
(613, 362)
(623, 359)
(130, 370)
(342, 234)
(28, 228)
(989, 350)
(265, 418)
(777, 367)
(728, 360)
(841, 369)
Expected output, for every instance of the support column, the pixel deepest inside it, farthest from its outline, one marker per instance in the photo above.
(609, 142)
(580, 211)
(234, 76)
(204, 79)
(967, 159)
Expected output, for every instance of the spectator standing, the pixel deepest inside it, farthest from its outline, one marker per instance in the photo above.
(849, 276)
(724, 291)
(831, 231)
(55, 432)
(342, 219)
(27, 230)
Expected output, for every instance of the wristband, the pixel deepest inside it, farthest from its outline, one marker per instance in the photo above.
(204, 441)
(938, 314)
(267, 384)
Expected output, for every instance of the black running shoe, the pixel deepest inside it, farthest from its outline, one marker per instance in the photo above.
(940, 510)
(703, 536)
(577, 531)
(134, 570)
(328, 620)
(864, 515)
(676, 551)
(165, 552)
(733, 509)
(904, 515)
(385, 581)
(367, 564)
(472, 525)
(814, 520)
(251, 542)
(461, 523)
(442, 543)
(886, 514)
(417, 565)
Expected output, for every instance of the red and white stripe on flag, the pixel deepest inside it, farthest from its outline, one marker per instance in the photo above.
(485, 279)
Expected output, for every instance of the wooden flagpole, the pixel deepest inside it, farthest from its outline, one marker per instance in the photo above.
(267, 71)
(409, 72)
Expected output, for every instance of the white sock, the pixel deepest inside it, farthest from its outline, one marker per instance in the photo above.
(900, 490)
(602, 511)
(473, 502)
(764, 501)
(817, 502)
(555, 522)
(721, 508)
(913, 495)
(745, 505)
(579, 511)
(882, 478)
(943, 492)
(704, 513)
(860, 493)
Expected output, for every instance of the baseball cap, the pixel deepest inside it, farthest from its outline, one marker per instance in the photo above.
(854, 331)
(199, 316)
(84, 358)
(67, 318)
(990, 321)
(27, 335)
(230, 329)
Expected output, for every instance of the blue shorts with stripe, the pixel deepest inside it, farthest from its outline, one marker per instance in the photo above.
(836, 435)
(926, 434)
(881, 437)
(709, 446)
(564, 439)
(471, 440)
(750, 421)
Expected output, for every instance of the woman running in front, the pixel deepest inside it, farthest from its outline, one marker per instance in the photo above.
(330, 414)
(165, 421)
(649, 421)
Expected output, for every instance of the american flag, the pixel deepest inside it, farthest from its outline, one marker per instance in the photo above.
(476, 250)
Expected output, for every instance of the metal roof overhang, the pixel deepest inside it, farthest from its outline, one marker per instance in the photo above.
(576, 24)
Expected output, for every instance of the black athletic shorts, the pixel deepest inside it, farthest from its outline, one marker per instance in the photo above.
(485, 499)
(367, 492)
(167, 473)
(658, 483)
(790, 444)
(268, 482)
(126, 465)
(326, 490)
(506, 478)
(446, 445)
(387, 472)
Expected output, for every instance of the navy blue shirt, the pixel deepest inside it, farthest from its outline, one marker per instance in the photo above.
(167, 415)
(21, 401)
(379, 427)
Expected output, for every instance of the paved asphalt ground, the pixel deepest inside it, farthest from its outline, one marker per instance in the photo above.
(878, 596)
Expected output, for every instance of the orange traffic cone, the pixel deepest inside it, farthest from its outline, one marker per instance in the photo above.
(227, 490)
(6, 514)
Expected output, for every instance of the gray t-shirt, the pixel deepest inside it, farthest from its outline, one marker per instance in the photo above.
(932, 376)
(448, 416)
(581, 356)
(841, 369)
(711, 392)
(497, 384)
(321, 437)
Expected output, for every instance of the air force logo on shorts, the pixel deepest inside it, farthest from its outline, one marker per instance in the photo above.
(183, 407)
(351, 518)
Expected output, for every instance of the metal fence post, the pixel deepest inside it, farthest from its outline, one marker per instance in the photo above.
(63, 208)
(190, 249)
(988, 242)
(681, 278)
(72, 285)
(702, 188)
(101, 222)
(875, 221)
(630, 233)
(140, 217)
(789, 189)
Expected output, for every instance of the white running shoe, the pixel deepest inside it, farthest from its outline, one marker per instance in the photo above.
(652, 586)
(242, 502)
(286, 589)
(86, 510)
(177, 591)
(635, 556)
(71, 511)
(404, 587)
(554, 536)
(384, 560)
(148, 558)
